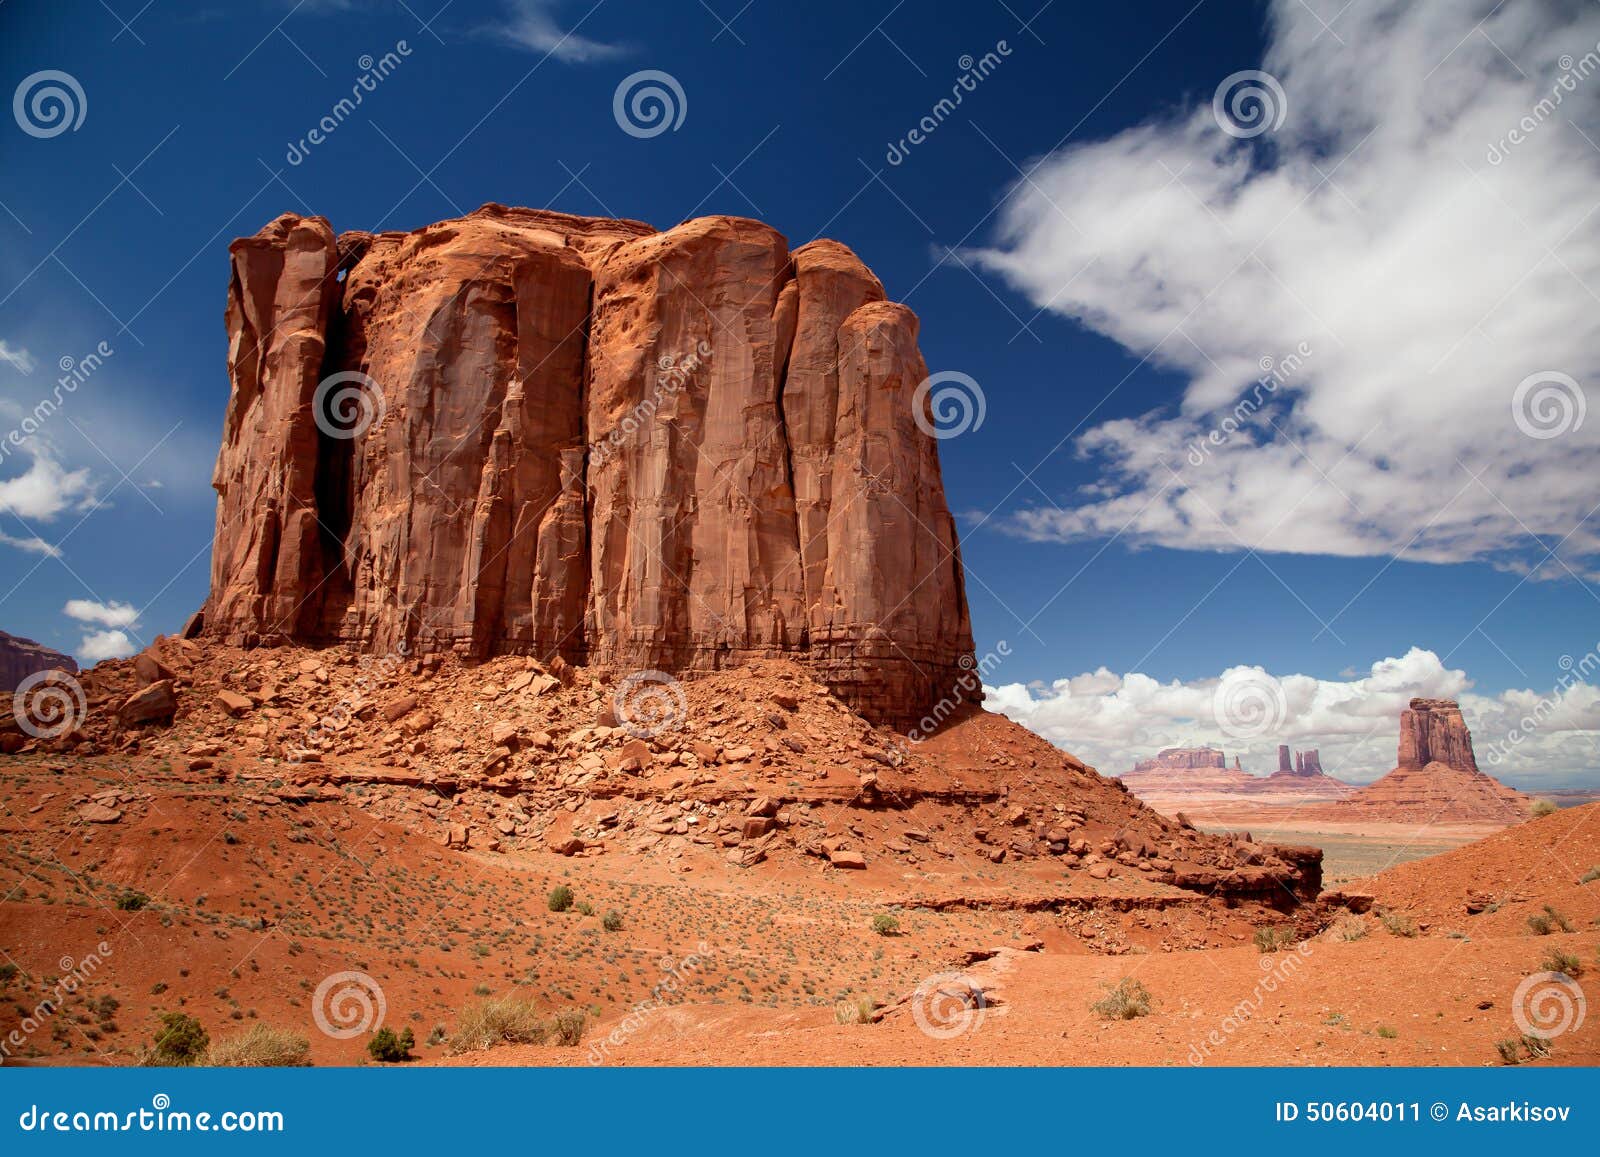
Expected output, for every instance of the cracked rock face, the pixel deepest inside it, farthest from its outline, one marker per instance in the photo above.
(526, 432)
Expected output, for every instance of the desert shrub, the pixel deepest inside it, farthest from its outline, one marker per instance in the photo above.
(560, 898)
(1591, 875)
(1399, 924)
(505, 1020)
(438, 1036)
(8, 972)
(132, 900)
(181, 1041)
(1352, 927)
(585, 908)
(1564, 962)
(885, 924)
(1542, 808)
(1548, 921)
(857, 1011)
(1536, 1047)
(388, 1047)
(1386, 1032)
(1273, 939)
(1510, 1050)
(1128, 1000)
(612, 921)
(569, 1025)
(260, 1046)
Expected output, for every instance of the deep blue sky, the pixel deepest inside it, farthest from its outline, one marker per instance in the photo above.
(197, 104)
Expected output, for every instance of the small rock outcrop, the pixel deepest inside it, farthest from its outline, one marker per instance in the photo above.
(522, 432)
(20, 658)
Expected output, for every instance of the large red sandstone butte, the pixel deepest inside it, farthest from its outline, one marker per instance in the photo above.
(1437, 777)
(21, 657)
(590, 439)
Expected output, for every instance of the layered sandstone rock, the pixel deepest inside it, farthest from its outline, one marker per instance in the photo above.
(1186, 772)
(526, 432)
(1432, 731)
(1184, 758)
(1437, 779)
(21, 657)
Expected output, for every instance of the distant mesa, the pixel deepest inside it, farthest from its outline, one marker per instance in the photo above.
(1436, 778)
(20, 658)
(1188, 772)
(1183, 759)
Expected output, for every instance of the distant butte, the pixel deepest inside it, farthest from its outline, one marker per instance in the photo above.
(1436, 780)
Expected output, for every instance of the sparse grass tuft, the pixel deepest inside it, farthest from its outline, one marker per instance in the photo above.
(1274, 939)
(560, 898)
(1398, 924)
(260, 1046)
(1548, 921)
(885, 924)
(857, 1011)
(1536, 1047)
(1386, 1032)
(1351, 927)
(1127, 1001)
(1564, 962)
(506, 1020)
(1542, 808)
(569, 1025)
(1591, 875)
(1510, 1050)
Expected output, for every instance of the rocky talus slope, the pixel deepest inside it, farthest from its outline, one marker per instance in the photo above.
(515, 755)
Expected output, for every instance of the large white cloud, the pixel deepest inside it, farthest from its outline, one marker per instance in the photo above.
(1112, 720)
(112, 614)
(98, 645)
(1390, 228)
(46, 489)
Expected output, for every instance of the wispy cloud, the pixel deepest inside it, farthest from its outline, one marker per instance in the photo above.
(30, 543)
(532, 24)
(16, 356)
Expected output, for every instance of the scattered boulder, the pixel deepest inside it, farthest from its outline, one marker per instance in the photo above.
(158, 701)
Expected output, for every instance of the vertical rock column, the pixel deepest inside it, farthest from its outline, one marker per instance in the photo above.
(890, 625)
(695, 556)
(267, 564)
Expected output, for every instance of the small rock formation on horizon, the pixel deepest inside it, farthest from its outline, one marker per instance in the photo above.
(1186, 770)
(1180, 772)
(21, 657)
(580, 438)
(1306, 764)
(1436, 777)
